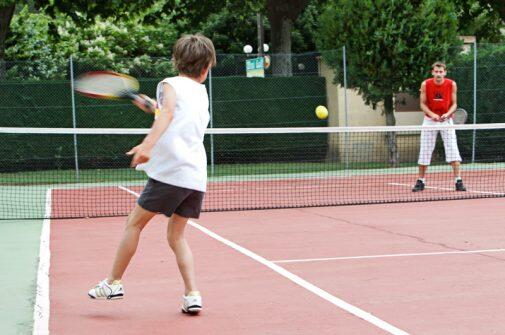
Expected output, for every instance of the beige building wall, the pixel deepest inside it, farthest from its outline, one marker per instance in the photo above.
(360, 147)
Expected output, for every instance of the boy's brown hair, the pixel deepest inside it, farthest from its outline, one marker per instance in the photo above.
(438, 64)
(192, 54)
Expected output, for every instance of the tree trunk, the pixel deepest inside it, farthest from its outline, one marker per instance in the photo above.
(281, 46)
(282, 14)
(6, 13)
(261, 34)
(394, 156)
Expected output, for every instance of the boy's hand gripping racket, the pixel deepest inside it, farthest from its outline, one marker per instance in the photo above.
(112, 85)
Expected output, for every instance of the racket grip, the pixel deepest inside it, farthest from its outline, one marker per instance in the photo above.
(149, 105)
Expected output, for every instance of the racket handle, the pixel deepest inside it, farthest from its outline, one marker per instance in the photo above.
(150, 106)
(147, 103)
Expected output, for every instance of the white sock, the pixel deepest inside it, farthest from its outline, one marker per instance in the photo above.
(457, 179)
(421, 179)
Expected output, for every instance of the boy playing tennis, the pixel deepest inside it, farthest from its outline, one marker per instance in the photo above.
(173, 157)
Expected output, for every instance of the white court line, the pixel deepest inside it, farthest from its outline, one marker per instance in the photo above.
(41, 309)
(299, 281)
(388, 256)
(448, 189)
(129, 191)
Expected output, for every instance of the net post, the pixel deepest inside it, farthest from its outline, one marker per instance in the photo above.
(211, 124)
(474, 97)
(74, 118)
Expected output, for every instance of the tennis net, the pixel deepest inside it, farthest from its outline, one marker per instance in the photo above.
(74, 173)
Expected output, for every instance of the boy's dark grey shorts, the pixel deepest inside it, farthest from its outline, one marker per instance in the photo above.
(167, 199)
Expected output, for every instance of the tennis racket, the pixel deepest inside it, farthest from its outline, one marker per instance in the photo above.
(111, 85)
(460, 116)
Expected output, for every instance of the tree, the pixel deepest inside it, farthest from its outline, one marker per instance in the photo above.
(192, 15)
(84, 10)
(125, 45)
(390, 45)
(497, 5)
(79, 9)
(481, 18)
(226, 40)
(217, 27)
(282, 15)
(7, 8)
(304, 34)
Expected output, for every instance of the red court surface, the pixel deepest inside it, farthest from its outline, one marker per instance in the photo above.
(416, 266)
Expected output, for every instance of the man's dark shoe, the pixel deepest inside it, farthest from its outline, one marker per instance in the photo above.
(460, 186)
(419, 186)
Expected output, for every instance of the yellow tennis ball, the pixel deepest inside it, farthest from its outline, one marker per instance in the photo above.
(321, 112)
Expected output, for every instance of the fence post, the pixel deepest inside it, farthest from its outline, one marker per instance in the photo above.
(74, 119)
(474, 97)
(344, 61)
(211, 124)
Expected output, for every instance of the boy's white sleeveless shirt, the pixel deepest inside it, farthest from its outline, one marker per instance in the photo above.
(179, 158)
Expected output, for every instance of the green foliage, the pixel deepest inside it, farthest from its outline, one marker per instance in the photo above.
(217, 27)
(480, 19)
(118, 45)
(186, 14)
(226, 40)
(214, 19)
(386, 53)
(85, 11)
(110, 31)
(30, 40)
(4, 3)
(304, 34)
(498, 6)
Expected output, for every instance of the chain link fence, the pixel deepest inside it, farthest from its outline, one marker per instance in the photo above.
(34, 94)
(285, 94)
(38, 93)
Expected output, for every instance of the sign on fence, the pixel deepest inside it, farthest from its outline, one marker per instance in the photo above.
(255, 67)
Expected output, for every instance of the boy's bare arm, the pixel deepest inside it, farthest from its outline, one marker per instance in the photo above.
(142, 152)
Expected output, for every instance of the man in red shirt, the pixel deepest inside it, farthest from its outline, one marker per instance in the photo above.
(438, 102)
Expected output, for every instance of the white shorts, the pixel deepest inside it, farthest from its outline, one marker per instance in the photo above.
(429, 138)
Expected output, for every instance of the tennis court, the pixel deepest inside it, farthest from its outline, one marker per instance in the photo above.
(369, 269)
(318, 216)
(282, 246)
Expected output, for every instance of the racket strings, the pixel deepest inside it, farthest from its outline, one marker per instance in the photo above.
(107, 84)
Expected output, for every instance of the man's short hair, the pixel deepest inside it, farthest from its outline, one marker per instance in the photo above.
(193, 53)
(438, 64)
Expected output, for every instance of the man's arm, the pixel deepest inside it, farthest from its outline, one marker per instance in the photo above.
(424, 106)
(454, 104)
(142, 152)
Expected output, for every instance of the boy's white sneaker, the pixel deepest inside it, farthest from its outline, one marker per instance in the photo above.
(192, 303)
(103, 290)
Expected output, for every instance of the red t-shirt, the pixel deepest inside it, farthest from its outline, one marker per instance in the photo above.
(439, 97)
